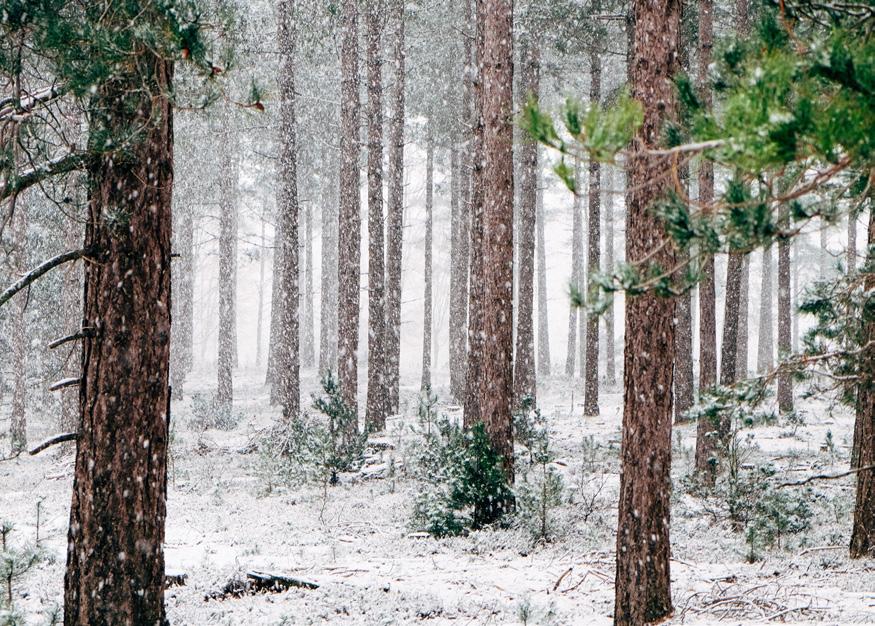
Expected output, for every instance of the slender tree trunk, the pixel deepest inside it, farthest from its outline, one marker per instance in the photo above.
(227, 278)
(492, 312)
(181, 348)
(71, 305)
(427, 279)
(591, 376)
(824, 251)
(19, 332)
(851, 253)
(287, 358)
(741, 357)
(477, 242)
(785, 381)
(276, 298)
(328, 282)
(458, 317)
(642, 589)
(395, 216)
(376, 405)
(863, 531)
(707, 297)
(576, 272)
(525, 382)
(766, 342)
(349, 225)
(115, 556)
(260, 315)
(308, 348)
(794, 296)
(731, 317)
(610, 350)
(543, 317)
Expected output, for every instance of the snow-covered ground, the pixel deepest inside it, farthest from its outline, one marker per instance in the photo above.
(355, 539)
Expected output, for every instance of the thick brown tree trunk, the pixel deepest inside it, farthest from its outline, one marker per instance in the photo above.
(115, 556)
(863, 531)
(525, 382)
(785, 381)
(287, 356)
(642, 589)
(543, 317)
(427, 272)
(577, 273)
(395, 216)
(349, 225)
(376, 406)
(491, 383)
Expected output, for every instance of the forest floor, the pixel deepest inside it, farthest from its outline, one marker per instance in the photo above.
(225, 516)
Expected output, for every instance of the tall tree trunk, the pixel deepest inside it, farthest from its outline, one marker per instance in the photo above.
(477, 241)
(851, 253)
(395, 216)
(376, 406)
(328, 281)
(349, 224)
(576, 273)
(458, 318)
(543, 317)
(525, 382)
(642, 589)
(863, 531)
(785, 381)
(741, 356)
(259, 324)
(731, 317)
(227, 277)
(492, 381)
(794, 297)
(115, 555)
(18, 336)
(766, 340)
(427, 278)
(181, 348)
(308, 348)
(71, 305)
(610, 350)
(707, 296)
(287, 358)
(591, 376)
(276, 299)
(824, 250)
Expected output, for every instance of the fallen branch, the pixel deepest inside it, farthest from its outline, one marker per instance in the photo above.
(561, 578)
(51, 441)
(38, 271)
(849, 472)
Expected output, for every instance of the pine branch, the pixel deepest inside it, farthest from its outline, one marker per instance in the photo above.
(38, 271)
(61, 165)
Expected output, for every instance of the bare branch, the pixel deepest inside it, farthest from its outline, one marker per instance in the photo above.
(62, 165)
(38, 271)
(805, 481)
(82, 334)
(64, 383)
(51, 441)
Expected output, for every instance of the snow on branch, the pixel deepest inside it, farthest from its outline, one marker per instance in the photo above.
(38, 271)
(60, 165)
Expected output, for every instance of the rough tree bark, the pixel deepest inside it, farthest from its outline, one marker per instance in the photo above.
(115, 556)
(427, 253)
(707, 296)
(863, 531)
(591, 376)
(785, 381)
(766, 339)
(491, 383)
(395, 215)
(376, 406)
(576, 272)
(525, 382)
(642, 589)
(349, 224)
(543, 317)
(287, 357)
